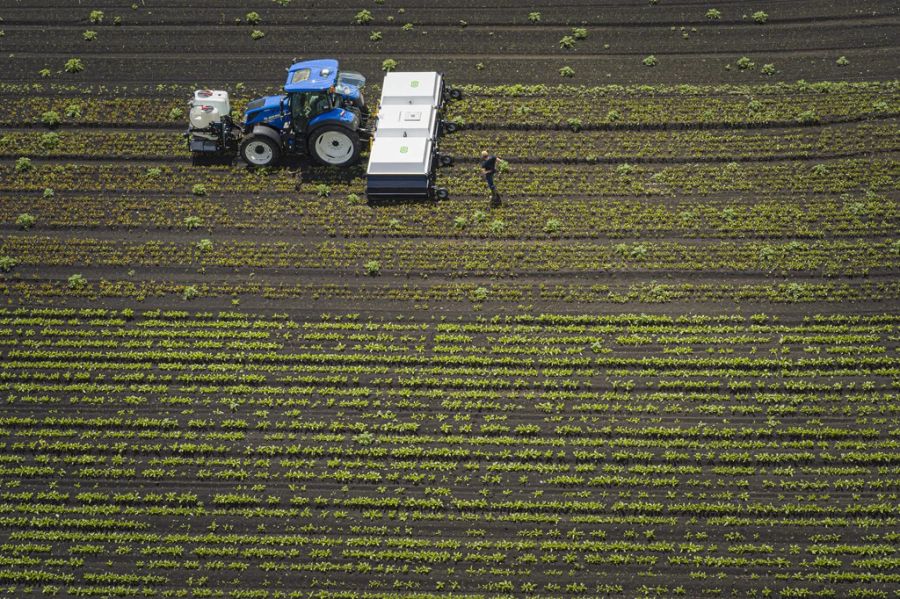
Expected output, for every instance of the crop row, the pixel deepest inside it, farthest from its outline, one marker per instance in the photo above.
(459, 257)
(828, 176)
(795, 216)
(517, 106)
(654, 292)
(517, 146)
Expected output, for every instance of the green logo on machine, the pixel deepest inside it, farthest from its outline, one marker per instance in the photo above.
(414, 84)
(404, 149)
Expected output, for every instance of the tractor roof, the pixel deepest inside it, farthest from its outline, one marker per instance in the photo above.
(311, 75)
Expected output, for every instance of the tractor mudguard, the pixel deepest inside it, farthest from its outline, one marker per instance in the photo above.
(268, 132)
(335, 116)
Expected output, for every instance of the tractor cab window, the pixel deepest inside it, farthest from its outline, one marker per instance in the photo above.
(306, 105)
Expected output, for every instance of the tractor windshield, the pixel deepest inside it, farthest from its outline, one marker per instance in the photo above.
(306, 105)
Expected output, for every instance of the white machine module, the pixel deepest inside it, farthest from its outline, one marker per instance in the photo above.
(401, 156)
(407, 121)
(412, 89)
(404, 146)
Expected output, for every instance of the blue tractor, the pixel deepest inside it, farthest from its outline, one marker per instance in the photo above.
(321, 114)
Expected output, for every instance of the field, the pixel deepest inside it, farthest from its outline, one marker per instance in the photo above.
(667, 366)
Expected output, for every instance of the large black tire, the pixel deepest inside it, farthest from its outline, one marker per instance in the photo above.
(333, 145)
(260, 151)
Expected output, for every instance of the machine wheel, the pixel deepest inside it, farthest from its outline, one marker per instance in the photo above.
(333, 145)
(456, 94)
(259, 150)
(441, 193)
(200, 158)
(449, 126)
(445, 159)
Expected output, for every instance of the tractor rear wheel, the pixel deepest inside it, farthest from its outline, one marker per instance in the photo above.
(333, 145)
(259, 150)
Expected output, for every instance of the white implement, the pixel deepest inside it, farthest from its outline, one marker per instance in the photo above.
(404, 149)
(208, 106)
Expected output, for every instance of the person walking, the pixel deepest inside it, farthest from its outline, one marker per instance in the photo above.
(488, 170)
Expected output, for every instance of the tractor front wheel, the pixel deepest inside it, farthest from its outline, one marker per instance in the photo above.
(259, 150)
(334, 145)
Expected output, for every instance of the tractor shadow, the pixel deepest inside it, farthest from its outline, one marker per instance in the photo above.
(309, 172)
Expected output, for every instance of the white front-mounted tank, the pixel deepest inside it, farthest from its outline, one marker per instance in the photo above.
(208, 106)
(412, 89)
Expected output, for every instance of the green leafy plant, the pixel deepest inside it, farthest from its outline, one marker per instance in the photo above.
(365, 439)
(479, 294)
(760, 16)
(388, 65)
(372, 268)
(77, 282)
(625, 169)
(73, 111)
(51, 118)
(49, 140)
(190, 292)
(74, 65)
(96, 16)
(199, 189)
(23, 165)
(567, 71)
(552, 226)
(842, 61)
(192, 222)
(534, 17)
(744, 63)
(7, 263)
(256, 34)
(323, 190)
(363, 17)
(205, 245)
(253, 18)
(567, 42)
(25, 221)
(768, 69)
(89, 36)
(649, 61)
(807, 117)
(713, 14)
(376, 36)
(579, 33)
